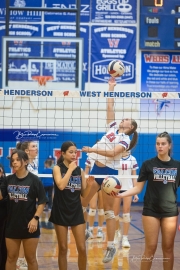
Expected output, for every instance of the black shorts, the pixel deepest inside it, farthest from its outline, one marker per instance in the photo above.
(151, 213)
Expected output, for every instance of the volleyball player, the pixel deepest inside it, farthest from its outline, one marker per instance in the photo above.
(30, 148)
(24, 190)
(128, 166)
(95, 204)
(160, 211)
(69, 184)
(106, 154)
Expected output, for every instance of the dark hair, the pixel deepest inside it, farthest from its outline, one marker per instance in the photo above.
(48, 162)
(2, 170)
(64, 147)
(21, 155)
(168, 138)
(135, 134)
(23, 145)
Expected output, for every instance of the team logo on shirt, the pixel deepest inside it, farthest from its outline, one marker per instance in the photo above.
(165, 175)
(74, 183)
(18, 193)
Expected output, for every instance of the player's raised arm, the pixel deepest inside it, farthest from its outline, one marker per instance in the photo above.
(110, 102)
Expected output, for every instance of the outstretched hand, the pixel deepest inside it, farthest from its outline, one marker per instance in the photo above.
(115, 195)
(90, 180)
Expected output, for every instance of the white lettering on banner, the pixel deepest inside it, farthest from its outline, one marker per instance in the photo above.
(113, 5)
(84, 8)
(89, 94)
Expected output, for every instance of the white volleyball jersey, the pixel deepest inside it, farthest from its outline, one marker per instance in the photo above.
(127, 164)
(33, 167)
(108, 142)
(89, 162)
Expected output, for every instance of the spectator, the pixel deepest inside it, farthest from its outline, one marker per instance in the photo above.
(48, 182)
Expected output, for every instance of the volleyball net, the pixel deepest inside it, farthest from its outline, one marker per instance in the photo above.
(51, 117)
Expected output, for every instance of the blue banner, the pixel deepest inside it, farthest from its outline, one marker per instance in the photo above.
(20, 15)
(67, 16)
(66, 69)
(113, 43)
(114, 11)
(160, 72)
(18, 68)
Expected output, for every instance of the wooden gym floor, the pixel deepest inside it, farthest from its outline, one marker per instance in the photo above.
(124, 258)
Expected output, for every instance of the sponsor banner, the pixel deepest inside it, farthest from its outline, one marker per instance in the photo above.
(18, 68)
(160, 72)
(114, 11)
(65, 70)
(89, 94)
(67, 16)
(20, 15)
(113, 43)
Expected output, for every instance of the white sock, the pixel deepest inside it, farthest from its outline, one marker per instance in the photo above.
(91, 229)
(99, 228)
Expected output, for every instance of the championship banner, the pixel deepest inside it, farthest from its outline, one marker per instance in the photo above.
(116, 11)
(160, 72)
(67, 16)
(65, 70)
(113, 43)
(21, 15)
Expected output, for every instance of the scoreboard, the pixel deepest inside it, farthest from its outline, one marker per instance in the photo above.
(160, 25)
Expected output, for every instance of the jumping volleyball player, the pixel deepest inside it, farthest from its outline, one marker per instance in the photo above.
(106, 154)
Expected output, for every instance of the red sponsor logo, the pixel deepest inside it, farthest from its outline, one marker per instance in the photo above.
(164, 95)
(66, 93)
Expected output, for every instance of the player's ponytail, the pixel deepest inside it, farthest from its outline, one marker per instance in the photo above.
(133, 140)
(135, 134)
(65, 146)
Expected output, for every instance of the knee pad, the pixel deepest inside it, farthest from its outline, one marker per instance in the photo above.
(92, 212)
(101, 212)
(126, 218)
(84, 209)
(109, 214)
(117, 218)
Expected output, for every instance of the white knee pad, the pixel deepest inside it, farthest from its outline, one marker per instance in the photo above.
(84, 209)
(109, 214)
(126, 218)
(92, 212)
(117, 218)
(101, 212)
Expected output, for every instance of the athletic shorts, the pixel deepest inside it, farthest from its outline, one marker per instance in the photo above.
(151, 213)
(102, 171)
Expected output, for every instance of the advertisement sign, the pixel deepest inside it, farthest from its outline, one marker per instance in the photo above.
(20, 15)
(114, 11)
(67, 16)
(160, 72)
(113, 43)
